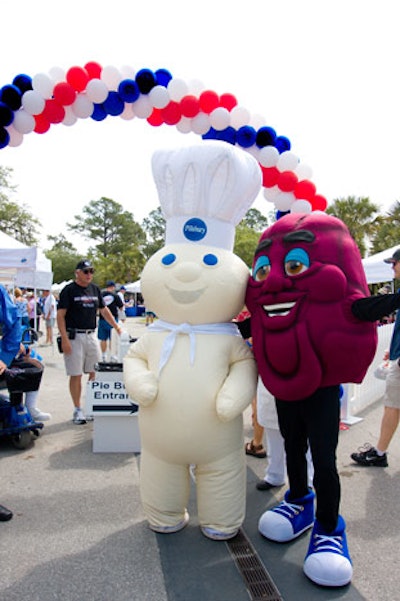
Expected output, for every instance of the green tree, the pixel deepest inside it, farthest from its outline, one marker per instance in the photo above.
(248, 233)
(16, 220)
(154, 226)
(387, 232)
(63, 256)
(360, 216)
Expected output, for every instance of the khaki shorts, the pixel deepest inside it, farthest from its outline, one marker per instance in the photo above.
(85, 354)
(392, 391)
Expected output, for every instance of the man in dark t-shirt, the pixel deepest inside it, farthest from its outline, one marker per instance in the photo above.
(113, 302)
(76, 319)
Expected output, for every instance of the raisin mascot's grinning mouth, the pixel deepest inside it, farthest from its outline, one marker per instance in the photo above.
(279, 309)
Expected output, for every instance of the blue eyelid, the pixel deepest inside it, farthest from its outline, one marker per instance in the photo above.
(210, 259)
(298, 254)
(168, 259)
(261, 262)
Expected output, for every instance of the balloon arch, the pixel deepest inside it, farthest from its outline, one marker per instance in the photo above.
(34, 104)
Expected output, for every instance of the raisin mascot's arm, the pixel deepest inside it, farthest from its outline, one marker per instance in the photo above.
(307, 273)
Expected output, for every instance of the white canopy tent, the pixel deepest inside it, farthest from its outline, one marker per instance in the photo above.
(376, 270)
(133, 287)
(23, 265)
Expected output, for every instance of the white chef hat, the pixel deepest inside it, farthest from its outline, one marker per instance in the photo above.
(204, 191)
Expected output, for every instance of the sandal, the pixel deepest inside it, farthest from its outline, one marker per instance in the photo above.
(255, 451)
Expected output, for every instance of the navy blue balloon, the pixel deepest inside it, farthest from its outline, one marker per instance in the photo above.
(6, 115)
(146, 80)
(23, 82)
(113, 104)
(266, 136)
(280, 214)
(99, 114)
(282, 144)
(129, 90)
(163, 77)
(11, 96)
(4, 137)
(246, 136)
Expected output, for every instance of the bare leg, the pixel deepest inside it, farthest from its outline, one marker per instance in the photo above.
(390, 421)
(75, 389)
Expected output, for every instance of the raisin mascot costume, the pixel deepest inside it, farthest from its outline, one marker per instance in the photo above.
(191, 373)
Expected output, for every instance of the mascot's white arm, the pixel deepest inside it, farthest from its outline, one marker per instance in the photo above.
(239, 388)
(140, 382)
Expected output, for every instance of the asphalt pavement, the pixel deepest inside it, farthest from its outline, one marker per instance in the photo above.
(79, 534)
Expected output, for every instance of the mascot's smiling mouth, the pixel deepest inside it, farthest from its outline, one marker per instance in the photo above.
(185, 296)
(279, 309)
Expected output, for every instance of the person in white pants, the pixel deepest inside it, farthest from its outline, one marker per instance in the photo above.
(275, 472)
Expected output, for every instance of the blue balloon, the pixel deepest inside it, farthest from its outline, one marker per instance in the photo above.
(146, 80)
(227, 135)
(282, 144)
(266, 136)
(163, 77)
(280, 214)
(4, 137)
(128, 90)
(6, 115)
(210, 135)
(113, 104)
(246, 136)
(23, 82)
(99, 114)
(11, 96)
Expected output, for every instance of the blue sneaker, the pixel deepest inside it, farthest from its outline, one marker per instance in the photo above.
(289, 519)
(328, 561)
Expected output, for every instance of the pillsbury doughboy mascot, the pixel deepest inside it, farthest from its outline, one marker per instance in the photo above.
(191, 372)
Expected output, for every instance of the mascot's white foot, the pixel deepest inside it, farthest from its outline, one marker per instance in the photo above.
(170, 529)
(328, 561)
(217, 534)
(289, 519)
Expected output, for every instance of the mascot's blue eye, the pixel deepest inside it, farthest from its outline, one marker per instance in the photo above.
(296, 261)
(210, 259)
(168, 259)
(261, 269)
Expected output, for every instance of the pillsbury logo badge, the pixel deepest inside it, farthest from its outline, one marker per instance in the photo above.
(194, 229)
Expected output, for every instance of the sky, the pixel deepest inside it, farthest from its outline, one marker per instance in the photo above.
(322, 73)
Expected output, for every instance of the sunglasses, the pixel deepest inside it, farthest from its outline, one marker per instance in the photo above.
(86, 271)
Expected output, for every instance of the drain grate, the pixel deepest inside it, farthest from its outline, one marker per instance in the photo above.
(259, 583)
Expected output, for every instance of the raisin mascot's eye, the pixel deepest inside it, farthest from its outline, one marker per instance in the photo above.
(210, 259)
(296, 261)
(168, 259)
(261, 269)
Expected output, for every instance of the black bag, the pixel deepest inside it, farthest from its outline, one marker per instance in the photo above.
(59, 344)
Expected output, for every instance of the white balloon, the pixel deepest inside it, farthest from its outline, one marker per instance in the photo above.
(70, 118)
(287, 161)
(271, 193)
(301, 206)
(257, 121)
(16, 137)
(43, 84)
(127, 114)
(240, 116)
(254, 151)
(111, 77)
(219, 118)
(159, 97)
(142, 107)
(23, 122)
(284, 201)
(200, 124)
(177, 89)
(184, 126)
(96, 91)
(127, 72)
(33, 102)
(195, 87)
(82, 106)
(269, 156)
(303, 171)
(57, 74)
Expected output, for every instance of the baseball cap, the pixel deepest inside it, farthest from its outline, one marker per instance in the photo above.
(122, 288)
(110, 283)
(85, 264)
(394, 258)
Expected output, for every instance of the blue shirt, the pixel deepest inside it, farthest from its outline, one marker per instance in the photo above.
(11, 327)
(394, 352)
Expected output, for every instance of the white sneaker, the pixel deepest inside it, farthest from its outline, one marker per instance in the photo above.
(78, 417)
(39, 416)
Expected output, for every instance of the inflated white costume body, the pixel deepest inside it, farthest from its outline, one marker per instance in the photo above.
(191, 372)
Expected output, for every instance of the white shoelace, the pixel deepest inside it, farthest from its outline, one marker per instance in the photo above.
(325, 542)
(289, 510)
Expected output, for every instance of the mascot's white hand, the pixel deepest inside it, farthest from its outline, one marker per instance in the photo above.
(142, 388)
(238, 390)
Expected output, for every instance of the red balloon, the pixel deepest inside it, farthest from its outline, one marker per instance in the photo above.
(287, 181)
(93, 70)
(64, 93)
(155, 118)
(319, 203)
(78, 78)
(305, 189)
(228, 101)
(42, 124)
(171, 113)
(270, 176)
(190, 106)
(53, 112)
(209, 101)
